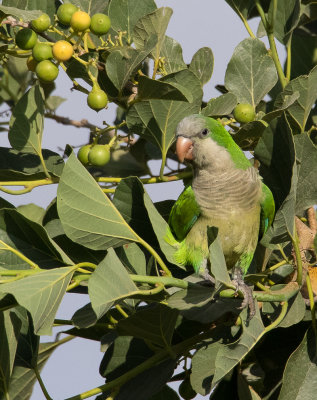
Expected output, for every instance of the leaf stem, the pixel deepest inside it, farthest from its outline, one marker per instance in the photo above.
(155, 255)
(38, 377)
(32, 264)
(279, 319)
(288, 61)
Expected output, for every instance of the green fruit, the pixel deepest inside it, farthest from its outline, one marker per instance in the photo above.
(99, 155)
(46, 71)
(41, 23)
(80, 21)
(42, 51)
(100, 24)
(186, 391)
(82, 154)
(97, 99)
(26, 39)
(65, 12)
(243, 113)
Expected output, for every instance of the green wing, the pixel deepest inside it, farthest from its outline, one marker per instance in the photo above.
(267, 210)
(184, 214)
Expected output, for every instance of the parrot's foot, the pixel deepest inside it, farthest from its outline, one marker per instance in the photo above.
(246, 290)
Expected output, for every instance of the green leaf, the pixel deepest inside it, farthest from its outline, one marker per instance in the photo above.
(202, 64)
(23, 379)
(218, 265)
(241, 7)
(306, 157)
(295, 312)
(124, 354)
(26, 122)
(132, 258)
(139, 211)
(41, 295)
(305, 45)
(276, 152)
(122, 64)
(32, 212)
(155, 324)
(158, 89)
(88, 216)
(222, 105)
(299, 376)
(251, 72)
(10, 326)
(92, 6)
(229, 356)
(30, 239)
(153, 23)
(53, 102)
(28, 345)
(124, 14)
(203, 367)
(166, 393)
(21, 14)
(172, 53)
(112, 275)
(249, 134)
(156, 120)
(27, 166)
(286, 18)
(299, 111)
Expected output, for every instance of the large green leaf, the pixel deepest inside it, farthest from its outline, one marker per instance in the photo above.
(10, 326)
(158, 89)
(139, 211)
(222, 105)
(88, 216)
(241, 7)
(32, 7)
(305, 45)
(153, 23)
(251, 72)
(156, 120)
(41, 295)
(229, 356)
(286, 18)
(202, 64)
(30, 239)
(306, 157)
(109, 282)
(92, 6)
(155, 324)
(132, 258)
(218, 265)
(299, 111)
(299, 376)
(124, 14)
(276, 152)
(19, 13)
(27, 122)
(172, 54)
(17, 166)
(122, 64)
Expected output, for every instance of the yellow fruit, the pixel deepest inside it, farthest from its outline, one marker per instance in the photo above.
(80, 21)
(62, 50)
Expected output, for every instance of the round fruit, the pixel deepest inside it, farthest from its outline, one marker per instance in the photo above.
(186, 391)
(46, 71)
(31, 64)
(100, 24)
(65, 12)
(97, 99)
(41, 23)
(99, 155)
(80, 21)
(62, 50)
(82, 154)
(26, 38)
(243, 113)
(42, 51)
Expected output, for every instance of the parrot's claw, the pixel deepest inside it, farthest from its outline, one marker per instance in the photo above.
(246, 290)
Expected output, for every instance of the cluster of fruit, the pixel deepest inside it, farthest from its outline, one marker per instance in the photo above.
(97, 154)
(46, 56)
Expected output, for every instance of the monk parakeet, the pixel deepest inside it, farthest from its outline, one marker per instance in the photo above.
(226, 192)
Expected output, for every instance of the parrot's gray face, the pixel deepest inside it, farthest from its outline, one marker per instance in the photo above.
(194, 144)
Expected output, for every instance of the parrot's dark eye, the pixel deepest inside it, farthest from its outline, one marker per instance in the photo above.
(205, 132)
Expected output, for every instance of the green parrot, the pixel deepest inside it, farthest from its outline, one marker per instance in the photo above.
(226, 192)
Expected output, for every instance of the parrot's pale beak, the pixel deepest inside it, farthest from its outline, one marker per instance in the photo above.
(184, 149)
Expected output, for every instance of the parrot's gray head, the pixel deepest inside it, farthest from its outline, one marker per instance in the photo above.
(195, 145)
